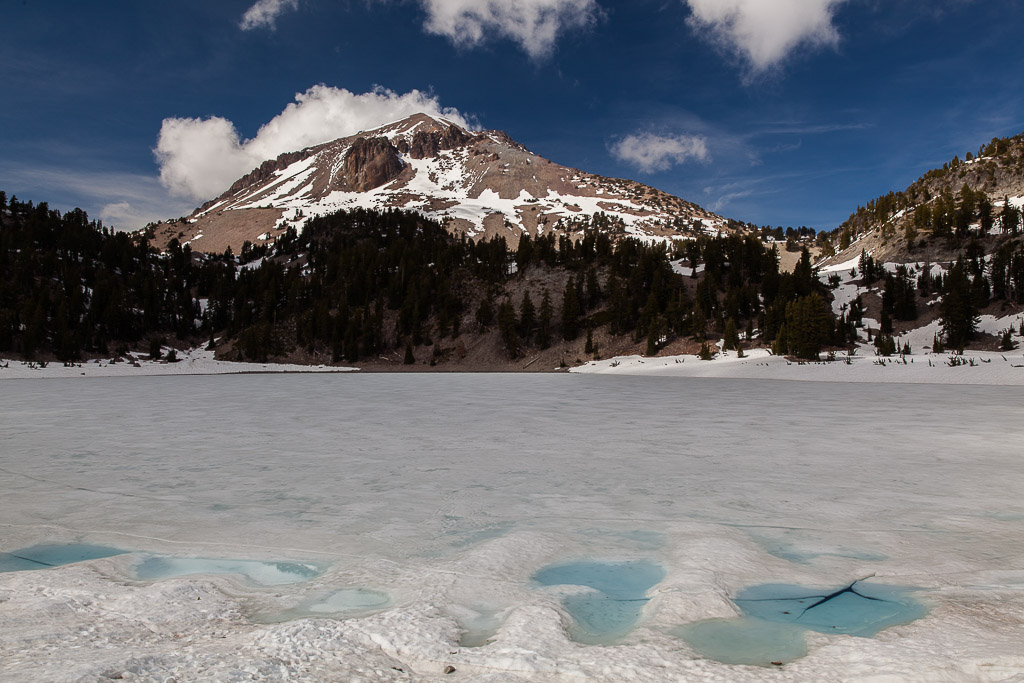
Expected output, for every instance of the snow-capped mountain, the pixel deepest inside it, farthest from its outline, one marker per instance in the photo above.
(479, 184)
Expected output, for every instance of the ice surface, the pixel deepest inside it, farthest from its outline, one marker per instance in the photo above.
(262, 573)
(348, 600)
(448, 493)
(743, 640)
(45, 556)
(340, 603)
(479, 623)
(619, 594)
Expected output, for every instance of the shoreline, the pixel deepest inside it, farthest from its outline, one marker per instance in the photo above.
(979, 368)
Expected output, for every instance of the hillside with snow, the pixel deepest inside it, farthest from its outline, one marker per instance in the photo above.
(478, 184)
(971, 200)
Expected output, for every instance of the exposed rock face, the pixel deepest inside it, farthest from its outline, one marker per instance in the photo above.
(426, 144)
(370, 163)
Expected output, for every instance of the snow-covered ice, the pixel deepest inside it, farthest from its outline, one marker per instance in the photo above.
(994, 368)
(431, 502)
(192, 362)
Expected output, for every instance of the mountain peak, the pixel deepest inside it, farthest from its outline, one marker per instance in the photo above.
(478, 183)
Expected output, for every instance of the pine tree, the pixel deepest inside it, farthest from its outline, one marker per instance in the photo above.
(985, 213)
(780, 347)
(527, 318)
(570, 311)
(544, 322)
(593, 289)
(507, 324)
(910, 234)
(731, 335)
(698, 323)
(654, 334)
(485, 313)
(1009, 218)
(958, 315)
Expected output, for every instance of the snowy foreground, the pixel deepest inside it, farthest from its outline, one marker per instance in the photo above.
(428, 502)
(976, 367)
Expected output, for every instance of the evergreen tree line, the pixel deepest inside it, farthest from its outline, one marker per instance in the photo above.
(70, 287)
(356, 284)
(970, 284)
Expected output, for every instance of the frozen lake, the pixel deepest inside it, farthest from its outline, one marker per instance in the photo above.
(426, 506)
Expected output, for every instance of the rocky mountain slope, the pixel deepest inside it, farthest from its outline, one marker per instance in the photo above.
(479, 184)
(939, 265)
(934, 219)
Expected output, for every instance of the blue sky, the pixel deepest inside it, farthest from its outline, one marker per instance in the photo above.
(779, 112)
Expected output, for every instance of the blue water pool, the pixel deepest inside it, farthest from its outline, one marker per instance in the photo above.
(619, 593)
(860, 609)
(262, 573)
(45, 556)
(777, 615)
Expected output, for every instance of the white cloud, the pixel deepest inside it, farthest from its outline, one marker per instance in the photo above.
(533, 24)
(651, 153)
(264, 13)
(200, 158)
(764, 32)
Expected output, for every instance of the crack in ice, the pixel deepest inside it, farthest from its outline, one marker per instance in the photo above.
(822, 599)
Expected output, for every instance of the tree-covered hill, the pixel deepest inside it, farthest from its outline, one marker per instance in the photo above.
(941, 212)
(380, 289)
(954, 237)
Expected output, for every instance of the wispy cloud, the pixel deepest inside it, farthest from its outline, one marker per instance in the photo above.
(534, 24)
(264, 14)
(727, 190)
(726, 195)
(797, 128)
(763, 33)
(200, 158)
(651, 153)
(122, 200)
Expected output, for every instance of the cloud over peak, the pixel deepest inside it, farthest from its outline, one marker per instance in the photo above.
(652, 153)
(765, 32)
(200, 158)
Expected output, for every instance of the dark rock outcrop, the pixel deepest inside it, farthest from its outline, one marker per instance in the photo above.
(370, 163)
(427, 144)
